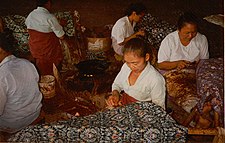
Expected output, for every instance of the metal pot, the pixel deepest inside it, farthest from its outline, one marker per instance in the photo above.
(92, 67)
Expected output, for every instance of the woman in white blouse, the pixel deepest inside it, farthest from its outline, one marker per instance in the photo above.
(183, 47)
(137, 79)
(123, 29)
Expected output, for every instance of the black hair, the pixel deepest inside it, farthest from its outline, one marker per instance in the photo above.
(7, 42)
(139, 8)
(185, 18)
(41, 3)
(137, 45)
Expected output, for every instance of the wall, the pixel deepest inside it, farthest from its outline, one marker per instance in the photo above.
(101, 12)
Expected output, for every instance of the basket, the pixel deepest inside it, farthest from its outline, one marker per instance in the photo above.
(99, 44)
(47, 86)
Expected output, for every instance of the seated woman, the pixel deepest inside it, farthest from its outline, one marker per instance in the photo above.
(178, 55)
(138, 80)
(183, 47)
(123, 29)
(20, 98)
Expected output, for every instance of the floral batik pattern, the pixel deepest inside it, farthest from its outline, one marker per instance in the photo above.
(137, 122)
(210, 84)
(155, 29)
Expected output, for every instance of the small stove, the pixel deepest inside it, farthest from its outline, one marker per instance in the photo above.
(89, 74)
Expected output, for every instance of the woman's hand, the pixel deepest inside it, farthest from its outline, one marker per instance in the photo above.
(113, 100)
(141, 32)
(182, 64)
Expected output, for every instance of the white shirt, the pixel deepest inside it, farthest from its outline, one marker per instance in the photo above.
(171, 49)
(41, 20)
(149, 86)
(20, 98)
(121, 30)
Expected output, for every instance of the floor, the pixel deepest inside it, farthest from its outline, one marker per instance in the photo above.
(78, 94)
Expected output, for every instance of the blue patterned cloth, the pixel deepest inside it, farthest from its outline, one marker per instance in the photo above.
(137, 122)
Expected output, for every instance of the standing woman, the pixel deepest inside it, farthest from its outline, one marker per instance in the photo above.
(44, 34)
(183, 47)
(123, 29)
(137, 79)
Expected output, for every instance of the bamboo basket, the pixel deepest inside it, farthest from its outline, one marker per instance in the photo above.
(47, 86)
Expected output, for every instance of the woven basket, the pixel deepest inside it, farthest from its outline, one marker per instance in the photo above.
(47, 86)
(99, 44)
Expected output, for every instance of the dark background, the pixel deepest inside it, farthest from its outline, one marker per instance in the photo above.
(102, 12)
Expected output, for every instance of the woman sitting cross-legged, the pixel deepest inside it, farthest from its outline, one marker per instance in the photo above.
(137, 79)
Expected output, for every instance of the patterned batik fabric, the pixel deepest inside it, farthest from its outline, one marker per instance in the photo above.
(181, 88)
(16, 23)
(210, 84)
(137, 122)
(155, 29)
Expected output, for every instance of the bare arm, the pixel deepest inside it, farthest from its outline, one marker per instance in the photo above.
(173, 65)
(113, 100)
(139, 33)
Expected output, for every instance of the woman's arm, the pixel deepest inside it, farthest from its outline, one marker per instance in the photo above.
(167, 65)
(173, 65)
(114, 99)
(139, 33)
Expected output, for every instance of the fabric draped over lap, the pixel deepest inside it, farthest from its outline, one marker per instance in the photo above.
(45, 47)
(181, 88)
(210, 85)
(137, 122)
